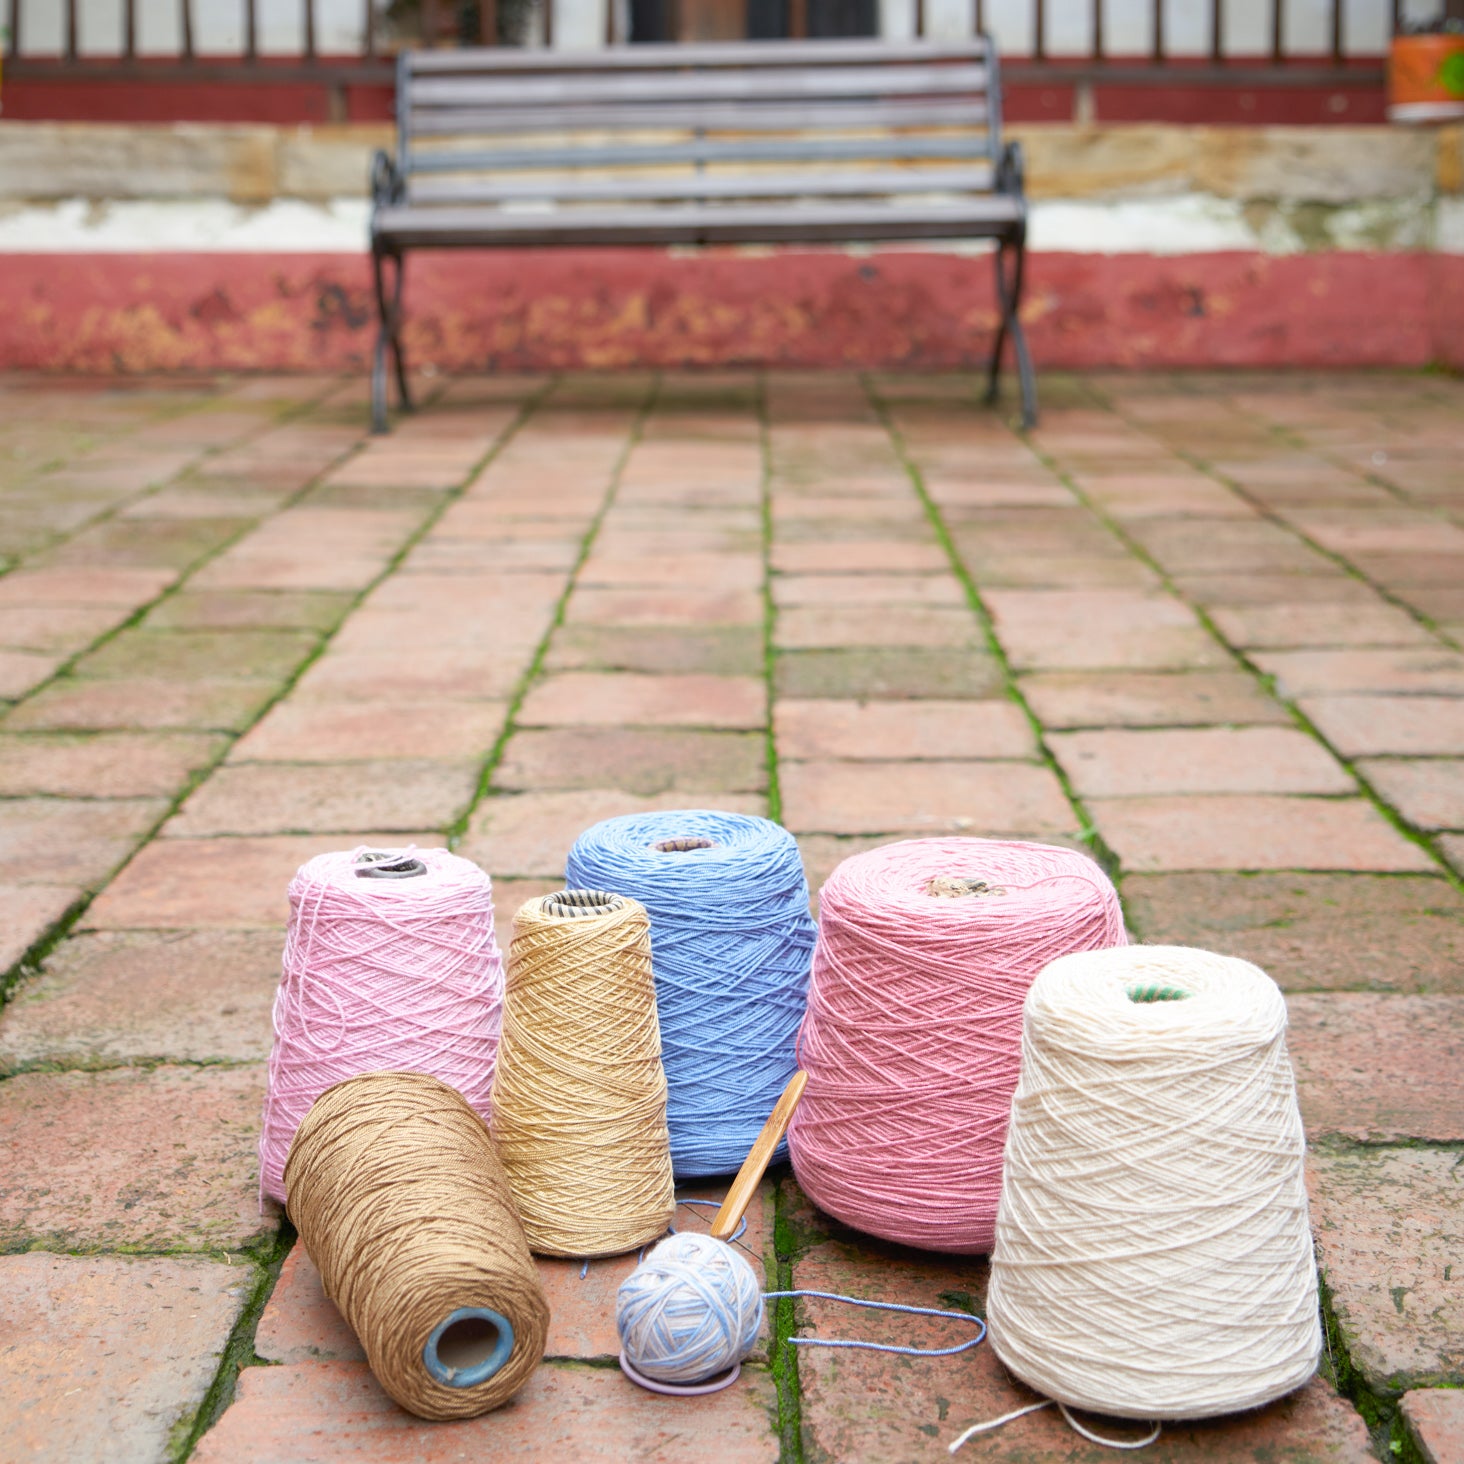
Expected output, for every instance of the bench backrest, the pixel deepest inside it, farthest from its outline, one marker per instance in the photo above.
(770, 119)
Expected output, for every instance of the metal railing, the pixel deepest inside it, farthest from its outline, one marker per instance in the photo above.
(1126, 40)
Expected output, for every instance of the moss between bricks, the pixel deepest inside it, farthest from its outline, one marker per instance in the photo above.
(239, 1351)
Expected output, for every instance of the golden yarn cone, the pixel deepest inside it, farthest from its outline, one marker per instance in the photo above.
(579, 1096)
(401, 1202)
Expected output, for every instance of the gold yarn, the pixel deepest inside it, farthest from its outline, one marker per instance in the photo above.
(579, 1094)
(394, 1186)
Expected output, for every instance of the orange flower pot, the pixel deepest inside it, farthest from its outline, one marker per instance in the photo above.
(1426, 78)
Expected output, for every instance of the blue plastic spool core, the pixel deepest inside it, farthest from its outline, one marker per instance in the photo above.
(468, 1346)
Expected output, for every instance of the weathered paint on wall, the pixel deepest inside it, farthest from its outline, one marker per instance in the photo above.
(607, 308)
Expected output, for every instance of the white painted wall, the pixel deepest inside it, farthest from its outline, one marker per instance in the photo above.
(219, 25)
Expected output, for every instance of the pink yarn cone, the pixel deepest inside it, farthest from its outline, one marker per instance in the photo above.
(381, 974)
(912, 1039)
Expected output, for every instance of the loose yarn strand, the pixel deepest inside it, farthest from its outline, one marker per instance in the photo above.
(995, 1423)
(892, 1306)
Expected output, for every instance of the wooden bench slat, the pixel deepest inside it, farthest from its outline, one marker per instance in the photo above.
(714, 116)
(989, 217)
(438, 192)
(675, 55)
(794, 150)
(769, 83)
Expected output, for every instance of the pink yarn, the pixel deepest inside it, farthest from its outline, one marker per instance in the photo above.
(912, 1039)
(381, 975)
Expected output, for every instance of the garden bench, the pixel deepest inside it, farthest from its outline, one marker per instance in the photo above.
(762, 142)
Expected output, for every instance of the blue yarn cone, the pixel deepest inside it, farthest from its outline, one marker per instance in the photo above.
(731, 946)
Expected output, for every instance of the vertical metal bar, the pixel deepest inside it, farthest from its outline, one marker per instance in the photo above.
(1217, 31)
(980, 17)
(1158, 31)
(1395, 17)
(12, 47)
(488, 22)
(919, 16)
(185, 18)
(309, 28)
(798, 19)
(611, 17)
(368, 28)
(1097, 30)
(1039, 32)
(1337, 35)
(129, 28)
(251, 28)
(1278, 30)
(70, 28)
(549, 24)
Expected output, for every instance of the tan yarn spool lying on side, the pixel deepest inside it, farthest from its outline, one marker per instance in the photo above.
(579, 1095)
(1153, 1258)
(400, 1200)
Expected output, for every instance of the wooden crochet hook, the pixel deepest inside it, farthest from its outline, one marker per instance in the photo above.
(756, 1163)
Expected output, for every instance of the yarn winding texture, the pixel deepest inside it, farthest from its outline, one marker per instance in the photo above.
(690, 1310)
(401, 1202)
(579, 1097)
(1153, 1258)
(926, 949)
(381, 973)
(731, 939)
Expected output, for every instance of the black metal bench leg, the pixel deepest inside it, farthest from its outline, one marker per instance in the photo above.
(1009, 301)
(388, 339)
(993, 372)
(396, 335)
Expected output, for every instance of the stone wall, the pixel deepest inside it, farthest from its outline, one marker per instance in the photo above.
(1154, 245)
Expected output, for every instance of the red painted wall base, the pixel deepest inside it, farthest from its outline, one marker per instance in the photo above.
(605, 308)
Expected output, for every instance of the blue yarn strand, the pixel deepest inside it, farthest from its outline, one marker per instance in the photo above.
(914, 1311)
(731, 946)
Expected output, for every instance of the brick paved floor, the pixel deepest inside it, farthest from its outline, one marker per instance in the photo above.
(1207, 628)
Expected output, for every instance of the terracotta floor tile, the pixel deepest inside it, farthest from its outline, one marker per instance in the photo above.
(901, 730)
(1123, 762)
(982, 799)
(1253, 831)
(108, 1356)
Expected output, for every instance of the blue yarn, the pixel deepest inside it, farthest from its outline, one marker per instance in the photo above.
(914, 1311)
(731, 946)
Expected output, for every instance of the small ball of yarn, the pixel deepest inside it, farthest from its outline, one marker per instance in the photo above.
(689, 1311)
(925, 952)
(731, 940)
(1153, 1257)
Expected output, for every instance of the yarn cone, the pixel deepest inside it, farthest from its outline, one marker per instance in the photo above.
(1153, 1257)
(390, 962)
(731, 939)
(926, 949)
(400, 1200)
(579, 1098)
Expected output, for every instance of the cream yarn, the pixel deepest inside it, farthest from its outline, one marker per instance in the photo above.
(579, 1096)
(1153, 1257)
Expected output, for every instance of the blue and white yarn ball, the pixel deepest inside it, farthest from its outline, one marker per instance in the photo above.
(689, 1311)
